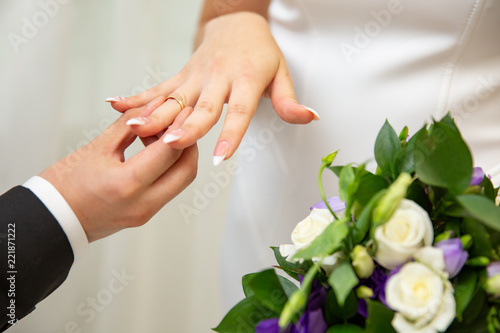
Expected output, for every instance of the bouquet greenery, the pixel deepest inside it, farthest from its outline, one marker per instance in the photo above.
(413, 247)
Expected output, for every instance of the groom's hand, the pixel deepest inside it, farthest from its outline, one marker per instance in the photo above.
(108, 193)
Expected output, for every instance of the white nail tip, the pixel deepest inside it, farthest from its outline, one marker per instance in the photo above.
(218, 159)
(315, 114)
(171, 138)
(136, 121)
(114, 99)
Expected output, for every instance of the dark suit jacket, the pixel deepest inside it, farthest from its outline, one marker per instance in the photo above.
(35, 254)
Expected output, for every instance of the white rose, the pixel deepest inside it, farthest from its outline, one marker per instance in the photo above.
(330, 262)
(422, 299)
(433, 258)
(305, 233)
(408, 229)
(311, 227)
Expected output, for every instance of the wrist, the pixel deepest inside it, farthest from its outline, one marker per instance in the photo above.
(248, 18)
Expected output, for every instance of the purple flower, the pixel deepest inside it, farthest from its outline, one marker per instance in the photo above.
(272, 326)
(375, 282)
(493, 269)
(335, 203)
(454, 255)
(477, 176)
(311, 321)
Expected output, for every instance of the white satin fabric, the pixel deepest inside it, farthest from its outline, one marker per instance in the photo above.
(358, 63)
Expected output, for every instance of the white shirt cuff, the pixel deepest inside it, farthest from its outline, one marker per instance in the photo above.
(62, 212)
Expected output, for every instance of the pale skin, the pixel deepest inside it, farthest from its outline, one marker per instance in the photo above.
(236, 61)
(107, 193)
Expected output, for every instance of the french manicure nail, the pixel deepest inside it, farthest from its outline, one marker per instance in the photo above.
(315, 114)
(115, 99)
(138, 121)
(173, 136)
(220, 152)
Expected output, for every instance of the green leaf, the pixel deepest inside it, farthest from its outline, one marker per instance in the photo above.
(336, 314)
(442, 158)
(291, 268)
(327, 242)
(472, 311)
(379, 318)
(298, 299)
(244, 316)
(387, 146)
(345, 183)
(369, 185)
(417, 193)
(488, 189)
(345, 328)
(482, 209)
(465, 284)
(448, 121)
(362, 225)
(481, 243)
(267, 290)
(337, 169)
(288, 286)
(343, 280)
(244, 282)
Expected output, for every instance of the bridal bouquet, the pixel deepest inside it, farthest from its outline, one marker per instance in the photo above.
(413, 247)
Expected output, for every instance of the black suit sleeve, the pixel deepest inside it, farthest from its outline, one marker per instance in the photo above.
(35, 254)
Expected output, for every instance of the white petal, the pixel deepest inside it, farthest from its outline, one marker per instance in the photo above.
(287, 250)
(432, 257)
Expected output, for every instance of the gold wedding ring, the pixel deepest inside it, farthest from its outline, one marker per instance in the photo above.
(178, 101)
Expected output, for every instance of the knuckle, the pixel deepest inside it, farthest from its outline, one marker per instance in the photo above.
(206, 106)
(239, 110)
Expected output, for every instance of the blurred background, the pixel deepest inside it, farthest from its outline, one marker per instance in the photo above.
(59, 60)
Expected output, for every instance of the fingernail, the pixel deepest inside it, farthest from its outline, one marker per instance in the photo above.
(220, 152)
(138, 121)
(315, 114)
(173, 136)
(115, 99)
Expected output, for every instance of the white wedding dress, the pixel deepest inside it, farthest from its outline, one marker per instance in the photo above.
(358, 63)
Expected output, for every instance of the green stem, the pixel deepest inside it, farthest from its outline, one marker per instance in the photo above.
(298, 300)
(322, 191)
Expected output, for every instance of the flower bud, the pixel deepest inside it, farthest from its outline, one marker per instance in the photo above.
(445, 235)
(391, 199)
(493, 269)
(364, 292)
(454, 255)
(492, 286)
(466, 241)
(478, 261)
(477, 176)
(328, 159)
(362, 262)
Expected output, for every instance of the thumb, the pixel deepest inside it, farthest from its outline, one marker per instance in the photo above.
(284, 101)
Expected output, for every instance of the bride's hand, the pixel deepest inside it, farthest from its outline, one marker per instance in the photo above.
(237, 62)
